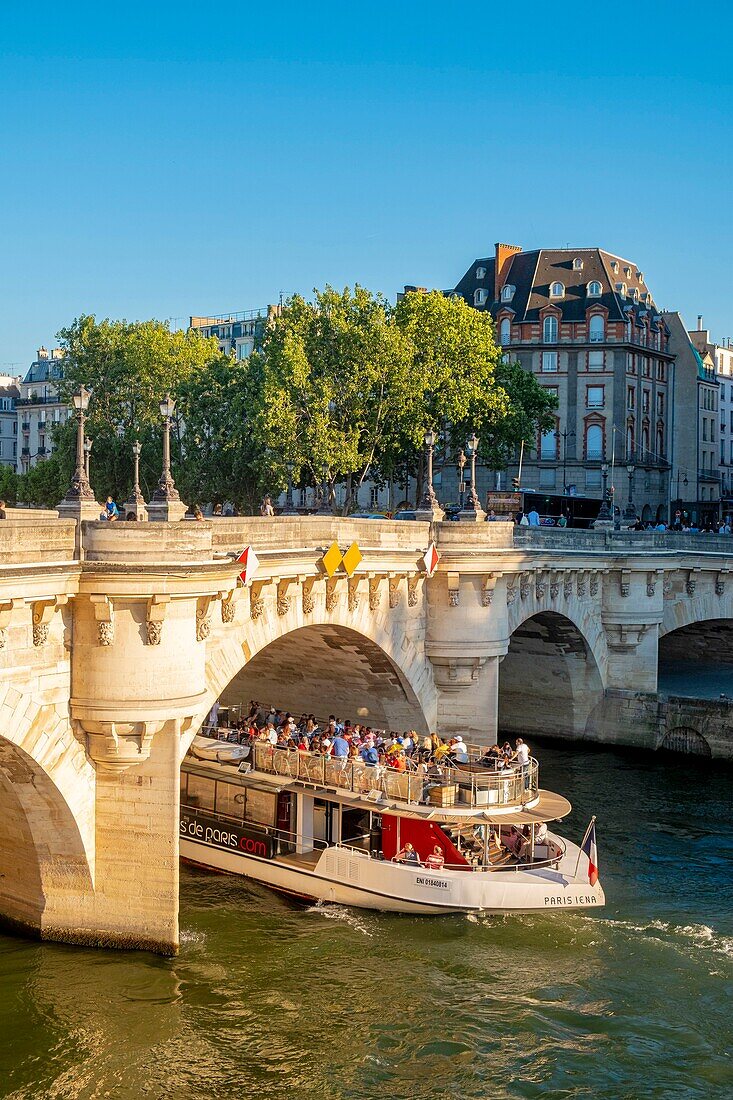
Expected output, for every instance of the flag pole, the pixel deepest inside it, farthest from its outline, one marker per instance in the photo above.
(585, 837)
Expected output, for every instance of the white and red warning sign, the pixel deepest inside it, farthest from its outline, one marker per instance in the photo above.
(250, 564)
(431, 559)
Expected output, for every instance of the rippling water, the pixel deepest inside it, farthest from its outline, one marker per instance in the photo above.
(270, 1000)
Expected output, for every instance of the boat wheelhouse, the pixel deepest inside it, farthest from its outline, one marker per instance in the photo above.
(429, 840)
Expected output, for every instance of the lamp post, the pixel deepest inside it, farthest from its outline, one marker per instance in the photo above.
(87, 455)
(289, 509)
(80, 489)
(472, 501)
(565, 436)
(165, 503)
(461, 466)
(630, 514)
(604, 512)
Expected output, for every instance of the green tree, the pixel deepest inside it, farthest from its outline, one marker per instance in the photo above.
(129, 366)
(222, 456)
(8, 485)
(334, 386)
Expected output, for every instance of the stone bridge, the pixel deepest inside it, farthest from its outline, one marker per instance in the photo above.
(116, 639)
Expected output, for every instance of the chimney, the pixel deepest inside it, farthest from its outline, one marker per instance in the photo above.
(42, 353)
(699, 322)
(504, 254)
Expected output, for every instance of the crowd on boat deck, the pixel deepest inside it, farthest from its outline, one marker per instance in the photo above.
(339, 738)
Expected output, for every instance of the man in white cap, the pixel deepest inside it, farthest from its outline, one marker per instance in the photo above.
(459, 752)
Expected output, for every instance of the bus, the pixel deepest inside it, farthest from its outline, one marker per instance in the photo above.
(580, 511)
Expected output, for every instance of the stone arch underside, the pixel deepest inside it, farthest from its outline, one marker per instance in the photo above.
(327, 669)
(549, 681)
(44, 867)
(697, 659)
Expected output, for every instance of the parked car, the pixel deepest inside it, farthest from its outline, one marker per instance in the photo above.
(368, 515)
(405, 515)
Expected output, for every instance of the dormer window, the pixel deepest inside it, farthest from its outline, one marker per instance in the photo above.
(480, 272)
(640, 276)
(480, 296)
(614, 267)
(634, 294)
(621, 288)
(627, 272)
(557, 290)
(577, 264)
(594, 289)
(507, 293)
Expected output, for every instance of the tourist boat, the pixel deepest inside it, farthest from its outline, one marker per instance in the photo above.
(328, 829)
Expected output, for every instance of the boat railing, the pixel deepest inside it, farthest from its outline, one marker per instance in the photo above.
(441, 786)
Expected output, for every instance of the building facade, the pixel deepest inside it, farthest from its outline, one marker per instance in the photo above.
(695, 485)
(237, 333)
(40, 408)
(720, 356)
(9, 394)
(584, 322)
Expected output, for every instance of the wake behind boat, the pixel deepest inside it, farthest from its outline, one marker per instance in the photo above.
(430, 840)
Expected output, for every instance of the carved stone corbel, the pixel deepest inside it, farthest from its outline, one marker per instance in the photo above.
(256, 599)
(667, 585)
(488, 584)
(511, 592)
(691, 583)
(394, 582)
(624, 637)
(43, 612)
(353, 593)
(6, 611)
(454, 589)
(228, 605)
(524, 579)
(720, 581)
(331, 593)
(540, 585)
(307, 594)
(625, 582)
(104, 615)
(118, 745)
(554, 585)
(595, 582)
(413, 582)
(156, 612)
(283, 597)
(580, 583)
(203, 619)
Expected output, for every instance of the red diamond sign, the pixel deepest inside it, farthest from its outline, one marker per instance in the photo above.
(250, 564)
(431, 559)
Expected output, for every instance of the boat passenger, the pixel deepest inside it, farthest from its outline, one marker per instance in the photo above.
(436, 859)
(369, 755)
(458, 750)
(339, 746)
(407, 855)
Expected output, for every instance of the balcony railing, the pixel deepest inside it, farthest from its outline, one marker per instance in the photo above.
(26, 426)
(708, 475)
(479, 787)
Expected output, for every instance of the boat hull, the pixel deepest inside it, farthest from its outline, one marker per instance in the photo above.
(349, 877)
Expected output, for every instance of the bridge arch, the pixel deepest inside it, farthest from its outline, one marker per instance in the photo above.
(365, 666)
(550, 680)
(697, 659)
(44, 863)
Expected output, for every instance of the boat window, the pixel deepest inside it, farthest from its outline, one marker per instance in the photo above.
(230, 800)
(201, 791)
(260, 807)
(184, 786)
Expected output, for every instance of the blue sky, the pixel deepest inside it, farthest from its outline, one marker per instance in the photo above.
(160, 160)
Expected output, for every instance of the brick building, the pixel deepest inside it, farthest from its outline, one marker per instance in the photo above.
(585, 323)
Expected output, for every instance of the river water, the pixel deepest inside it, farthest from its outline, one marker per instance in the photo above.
(267, 999)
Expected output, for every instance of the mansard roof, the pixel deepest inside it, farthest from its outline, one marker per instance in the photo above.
(533, 273)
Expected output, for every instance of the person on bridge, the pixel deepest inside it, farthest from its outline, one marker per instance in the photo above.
(266, 508)
(111, 509)
(533, 518)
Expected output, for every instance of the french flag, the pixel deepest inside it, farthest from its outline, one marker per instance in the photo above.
(589, 847)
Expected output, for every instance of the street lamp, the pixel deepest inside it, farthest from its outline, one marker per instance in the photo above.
(473, 503)
(461, 466)
(604, 512)
(429, 500)
(87, 455)
(166, 490)
(630, 515)
(80, 489)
